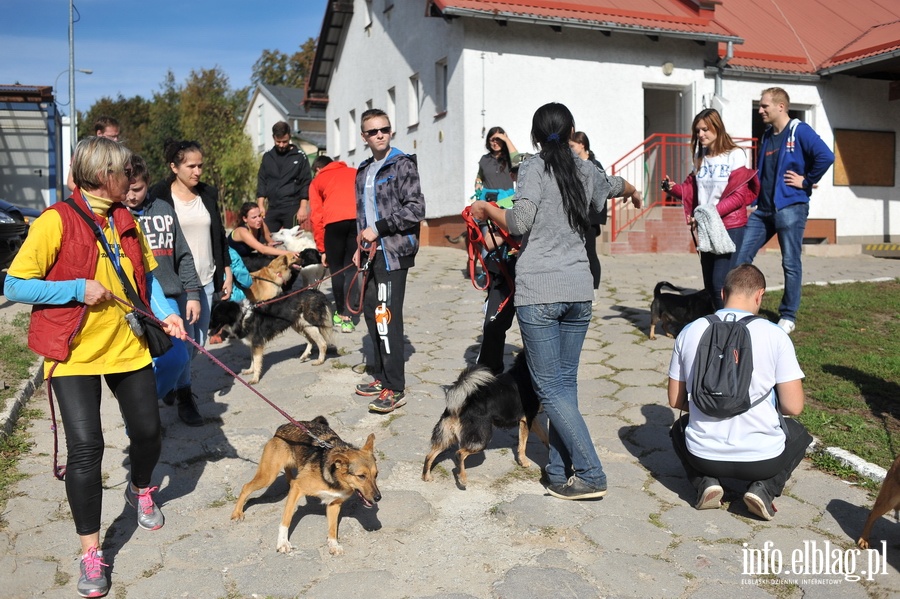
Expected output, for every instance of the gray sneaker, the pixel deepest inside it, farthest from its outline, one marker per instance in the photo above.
(759, 502)
(93, 581)
(709, 495)
(575, 488)
(149, 516)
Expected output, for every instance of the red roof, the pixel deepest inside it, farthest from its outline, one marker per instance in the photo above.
(805, 36)
(788, 36)
(663, 17)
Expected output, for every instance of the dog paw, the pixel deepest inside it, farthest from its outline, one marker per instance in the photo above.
(427, 477)
(525, 462)
(319, 362)
(284, 547)
(334, 548)
(862, 543)
(237, 516)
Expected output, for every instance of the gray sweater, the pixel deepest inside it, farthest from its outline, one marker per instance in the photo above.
(176, 272)
(553, 265)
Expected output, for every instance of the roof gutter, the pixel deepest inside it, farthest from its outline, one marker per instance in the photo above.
(605, 26)
(859, 63)
(742, 73)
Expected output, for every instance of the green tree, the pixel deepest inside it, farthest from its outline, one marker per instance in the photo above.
(164, 126)
(211, 113)
(277, 68)
(133, 115)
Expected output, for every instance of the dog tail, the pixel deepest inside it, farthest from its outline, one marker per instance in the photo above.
(468, 383)
(662, 284)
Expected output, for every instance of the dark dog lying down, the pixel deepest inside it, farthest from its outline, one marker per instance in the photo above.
(674, 311)
(333, 474)
(308, 313)
(477, 402)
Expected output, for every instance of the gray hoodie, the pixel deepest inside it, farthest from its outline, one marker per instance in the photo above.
(175, 273)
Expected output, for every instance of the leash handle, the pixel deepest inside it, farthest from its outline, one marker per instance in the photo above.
(362, 274)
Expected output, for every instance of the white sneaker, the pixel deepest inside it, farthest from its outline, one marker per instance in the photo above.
(787, 326)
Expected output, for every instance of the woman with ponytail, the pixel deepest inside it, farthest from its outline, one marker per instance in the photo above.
(554, 288)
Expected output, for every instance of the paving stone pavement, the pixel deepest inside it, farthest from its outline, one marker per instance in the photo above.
(502, 537)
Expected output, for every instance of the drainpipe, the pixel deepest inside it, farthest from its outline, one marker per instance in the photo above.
(729, 54)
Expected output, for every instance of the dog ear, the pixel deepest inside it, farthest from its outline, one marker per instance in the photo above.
(335, 461)
(370, 443)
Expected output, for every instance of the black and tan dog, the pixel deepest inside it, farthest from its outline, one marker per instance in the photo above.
(477, 402)
(307, 312)
(888, 499)
(333, 474)
(674, 310)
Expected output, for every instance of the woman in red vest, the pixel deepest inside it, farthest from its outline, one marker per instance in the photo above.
(70, 267)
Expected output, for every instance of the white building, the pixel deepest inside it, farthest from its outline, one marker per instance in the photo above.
(273, 103)
(447, 70)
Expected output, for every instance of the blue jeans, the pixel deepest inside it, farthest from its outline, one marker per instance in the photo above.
(789, 223)
(716, 266)
(553, 335)
(199, 331)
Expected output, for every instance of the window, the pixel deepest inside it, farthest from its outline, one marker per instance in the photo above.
(261, 136)
(390, 106)
(367, 18)
(413, 100)
(336, 150)
(441, 79)
(351, 132)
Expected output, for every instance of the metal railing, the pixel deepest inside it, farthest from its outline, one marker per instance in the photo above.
(645, 166)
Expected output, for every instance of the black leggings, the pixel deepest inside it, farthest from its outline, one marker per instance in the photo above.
(590, 244)
(79, 408)
(340, 245)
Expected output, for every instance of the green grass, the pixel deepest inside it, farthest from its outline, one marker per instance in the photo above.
(848, 345)
(15, 357)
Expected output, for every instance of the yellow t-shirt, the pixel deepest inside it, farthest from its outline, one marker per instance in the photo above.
(105, 343)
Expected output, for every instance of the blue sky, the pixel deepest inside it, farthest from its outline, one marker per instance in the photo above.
(130, 44)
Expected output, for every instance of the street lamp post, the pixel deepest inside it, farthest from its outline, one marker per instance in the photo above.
(55, 81)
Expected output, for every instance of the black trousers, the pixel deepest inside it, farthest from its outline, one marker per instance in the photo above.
(281, 216)
(79, 408)
(383, 311)
(590, 244)
(773, 473)
(493, 334)
(340, 245)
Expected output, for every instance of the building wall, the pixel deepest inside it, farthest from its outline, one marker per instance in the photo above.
(615, 86)
(862, 213)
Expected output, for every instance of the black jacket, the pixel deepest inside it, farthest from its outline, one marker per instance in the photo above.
(209, 195)
(283, 179)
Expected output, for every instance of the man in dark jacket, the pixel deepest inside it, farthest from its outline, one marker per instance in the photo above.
(282, 187)
(389, 209)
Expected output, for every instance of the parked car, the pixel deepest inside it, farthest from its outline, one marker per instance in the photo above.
(14, 222)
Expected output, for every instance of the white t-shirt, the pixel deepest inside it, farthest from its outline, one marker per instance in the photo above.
(712, 176)
(196, 224)
(369, 197)
(756, 434)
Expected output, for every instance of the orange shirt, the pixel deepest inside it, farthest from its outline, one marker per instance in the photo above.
(332, 198)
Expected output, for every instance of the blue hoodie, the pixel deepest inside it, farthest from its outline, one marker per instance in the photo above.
(802, 151)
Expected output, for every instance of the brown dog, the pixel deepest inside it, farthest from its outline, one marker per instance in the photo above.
(333, 474)
(675, 310)
(888, 499)
(269, 280)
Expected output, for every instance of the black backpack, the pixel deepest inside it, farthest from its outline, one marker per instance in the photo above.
(723, 367)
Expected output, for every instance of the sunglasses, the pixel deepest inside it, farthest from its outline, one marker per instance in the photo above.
(496, 140)
(374, 132)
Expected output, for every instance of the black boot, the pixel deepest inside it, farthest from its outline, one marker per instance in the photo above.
(187, 407)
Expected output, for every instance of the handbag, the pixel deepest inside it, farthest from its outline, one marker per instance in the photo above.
(158, 342)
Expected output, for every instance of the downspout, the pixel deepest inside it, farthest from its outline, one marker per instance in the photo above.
(729, 54)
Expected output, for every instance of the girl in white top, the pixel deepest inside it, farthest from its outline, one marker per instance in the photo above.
(720, 177)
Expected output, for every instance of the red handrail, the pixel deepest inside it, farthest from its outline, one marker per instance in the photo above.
(648, 163)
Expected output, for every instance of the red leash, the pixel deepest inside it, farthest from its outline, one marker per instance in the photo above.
(60, 471)
(362, 274)
(475, 243)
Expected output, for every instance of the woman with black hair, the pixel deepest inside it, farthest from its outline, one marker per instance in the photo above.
(494, 181)
(553, 288)
(197, 209)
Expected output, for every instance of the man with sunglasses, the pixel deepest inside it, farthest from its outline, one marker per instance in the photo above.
(389, 209)
(282, 187)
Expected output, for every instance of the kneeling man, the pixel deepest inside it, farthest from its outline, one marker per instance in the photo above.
(759, 445)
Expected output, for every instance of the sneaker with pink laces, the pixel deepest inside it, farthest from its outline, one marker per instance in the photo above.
(149, 516)
(93, 581)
